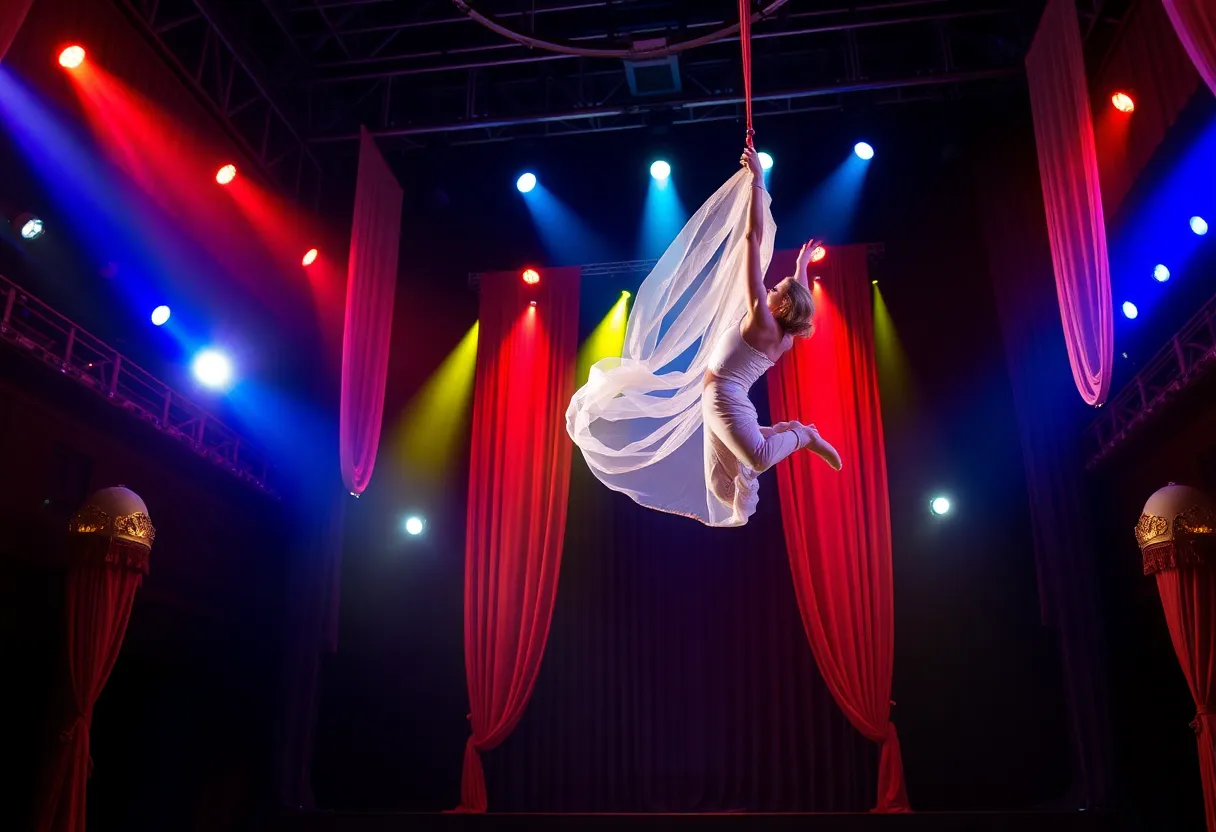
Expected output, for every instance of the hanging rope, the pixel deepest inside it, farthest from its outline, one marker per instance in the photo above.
(745, 41)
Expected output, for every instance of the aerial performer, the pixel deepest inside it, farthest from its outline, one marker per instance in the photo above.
(670, 422)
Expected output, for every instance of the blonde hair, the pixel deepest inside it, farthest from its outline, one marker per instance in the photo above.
(797, 310)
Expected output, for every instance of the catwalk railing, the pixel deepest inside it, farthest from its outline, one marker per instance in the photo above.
(1179, 365)
(34, 328)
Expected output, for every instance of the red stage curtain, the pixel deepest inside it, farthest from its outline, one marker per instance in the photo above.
(1187, 596)
(12, 16)
(838, 525)
(370, 289)
(519, 480)
(1195, 23)
(101, 589)
(1068, 168)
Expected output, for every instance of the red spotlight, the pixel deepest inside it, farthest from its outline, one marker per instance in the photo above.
(531, 277)
(71, 57)
(532, 303)
(1123, 102)
(225, 174)
(310, 257)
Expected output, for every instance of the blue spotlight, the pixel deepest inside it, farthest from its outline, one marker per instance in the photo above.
(1130, 310)
(31, 227)
(213, 369)
(1199, 225)
(1161, 273)
(160, 315)
(660, 170)
(766, 160)
(863, 151)
(526, 183)
(940, 506)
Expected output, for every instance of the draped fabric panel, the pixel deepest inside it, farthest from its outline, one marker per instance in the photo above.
(1188, 596)
(519, 481)
(12, 16)
(101, 589)
(1147, 61)
(1068, 168)
(1195, 23)
(370, 290)
(838, 525)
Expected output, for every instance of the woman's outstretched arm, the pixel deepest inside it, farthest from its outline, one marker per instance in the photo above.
(755, 235)
(804, 260)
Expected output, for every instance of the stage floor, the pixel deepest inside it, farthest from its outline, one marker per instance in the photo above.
(920, 822)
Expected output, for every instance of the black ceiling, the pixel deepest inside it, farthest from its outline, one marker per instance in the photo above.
(295, 79)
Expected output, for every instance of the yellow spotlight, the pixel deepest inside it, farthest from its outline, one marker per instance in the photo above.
(428, 435)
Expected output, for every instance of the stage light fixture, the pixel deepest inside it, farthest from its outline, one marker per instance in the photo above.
(1199, 225)
(1130, 310)
(212, 368)
(225, 174)
(29, 226)
(660, 169)
(863, 151)
(531, 277)
(414, 525)
(71, 57)
(940, 506)
(1161, 273)
(310, 257)
(626, 294)
(766, 160)
(818, 253)
(1123, 102)
(526, 183)
(160, 315)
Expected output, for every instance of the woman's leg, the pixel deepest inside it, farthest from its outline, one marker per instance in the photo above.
(731, 417)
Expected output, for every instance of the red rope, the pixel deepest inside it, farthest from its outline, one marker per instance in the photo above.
(745, 40)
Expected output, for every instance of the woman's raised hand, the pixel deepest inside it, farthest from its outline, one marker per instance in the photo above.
(751, 160)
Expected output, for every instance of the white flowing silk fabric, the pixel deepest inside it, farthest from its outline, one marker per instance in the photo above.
(1072, 197)
(1195, 23)
(371, 287)
(637, 420)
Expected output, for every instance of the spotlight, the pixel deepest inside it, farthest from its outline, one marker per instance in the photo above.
(660, 170)
(225, 174)
(1199, 225)
(863, 151)
(1130, 310)
(212, 368)
(160, 315)
(526, 183)
(1123, 102)
(625, 294)
(532, 303)
(29, 226)
(940, 506)
(310, 257)
(531, 277)
(818, 253)
(1161, 273)
(71, 57)
(414, 525)
(766, 160)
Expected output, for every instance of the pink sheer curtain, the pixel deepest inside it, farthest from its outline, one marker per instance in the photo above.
(370, 289)
(1195, 23)
(1068, 169)
(12, 16)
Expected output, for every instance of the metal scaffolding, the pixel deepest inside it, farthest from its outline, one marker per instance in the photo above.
(35, 329)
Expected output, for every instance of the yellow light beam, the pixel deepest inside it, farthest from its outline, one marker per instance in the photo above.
(606, 340)
(428, 434)
(894, 372)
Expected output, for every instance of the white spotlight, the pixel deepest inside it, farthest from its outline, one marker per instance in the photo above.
(414, 525)
(160, 315)
(1161, 273)
(766, 160)
(1199, 225)
(526, 183)
(940, 506)
(863, 150)
(31, 227)
(660, 170)
(212, 368)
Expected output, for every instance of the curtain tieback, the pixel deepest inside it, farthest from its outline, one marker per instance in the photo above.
(68, 734)
(1197, 722)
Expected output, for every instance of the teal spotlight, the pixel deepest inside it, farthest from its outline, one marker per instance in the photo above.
(660, 170)
(766, 160)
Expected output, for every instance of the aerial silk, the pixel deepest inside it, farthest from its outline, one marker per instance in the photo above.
(638, 420)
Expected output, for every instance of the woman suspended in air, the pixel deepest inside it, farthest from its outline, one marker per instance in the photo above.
(669, 422)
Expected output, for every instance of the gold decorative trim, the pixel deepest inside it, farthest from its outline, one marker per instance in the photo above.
(1150, 527)
(137, 526)
(89, 520)
(1196, 520)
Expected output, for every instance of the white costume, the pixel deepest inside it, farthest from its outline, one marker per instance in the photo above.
(646, 422)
